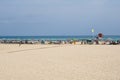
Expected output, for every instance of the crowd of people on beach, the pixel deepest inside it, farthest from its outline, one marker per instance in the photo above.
(98, 40)
(81, 42)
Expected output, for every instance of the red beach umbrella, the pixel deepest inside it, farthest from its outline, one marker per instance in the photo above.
(100, 35)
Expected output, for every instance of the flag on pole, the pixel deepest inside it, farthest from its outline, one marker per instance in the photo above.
(93, 30)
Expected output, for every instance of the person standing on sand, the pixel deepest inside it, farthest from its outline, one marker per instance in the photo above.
(20, 43)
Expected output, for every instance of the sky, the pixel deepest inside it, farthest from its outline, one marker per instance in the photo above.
(59, 17)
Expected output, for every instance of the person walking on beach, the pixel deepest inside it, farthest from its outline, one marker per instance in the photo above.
(20, 43)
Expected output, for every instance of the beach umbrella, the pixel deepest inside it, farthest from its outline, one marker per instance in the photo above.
(109, 39)
(100, 35)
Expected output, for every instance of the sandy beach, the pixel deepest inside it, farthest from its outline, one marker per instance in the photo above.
(59, 62)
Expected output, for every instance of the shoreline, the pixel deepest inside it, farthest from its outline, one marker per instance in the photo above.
(71, 41)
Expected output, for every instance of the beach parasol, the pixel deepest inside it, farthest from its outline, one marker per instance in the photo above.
(100, 35)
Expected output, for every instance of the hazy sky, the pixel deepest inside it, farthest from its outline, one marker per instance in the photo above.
(59, 17)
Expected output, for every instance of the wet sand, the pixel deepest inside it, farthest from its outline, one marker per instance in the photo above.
(59, 62)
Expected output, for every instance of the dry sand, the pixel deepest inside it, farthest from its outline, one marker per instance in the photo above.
(59, 62)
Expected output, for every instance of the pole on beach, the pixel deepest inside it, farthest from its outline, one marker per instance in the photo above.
(93, 33)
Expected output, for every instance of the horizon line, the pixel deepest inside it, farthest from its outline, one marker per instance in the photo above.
(55, 35)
